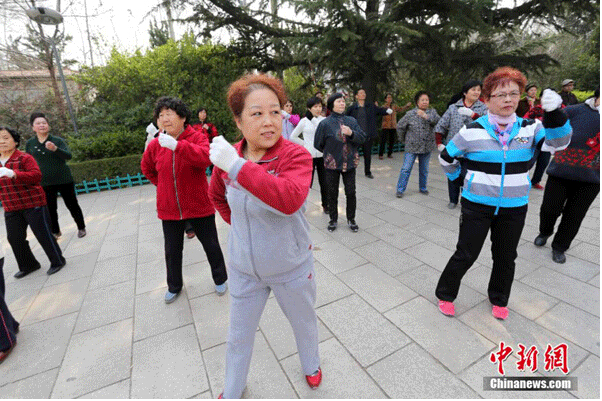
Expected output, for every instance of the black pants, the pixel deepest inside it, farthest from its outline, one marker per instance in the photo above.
(475, 222)
(67, 192)
(16, 231)
(543, 159)
(388, 135)
(319, 168)
(332, 183)
(206, 232)
(367, 148)
(570, 198)
(8, 324)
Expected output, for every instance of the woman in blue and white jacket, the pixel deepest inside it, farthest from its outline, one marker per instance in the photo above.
(496, 149)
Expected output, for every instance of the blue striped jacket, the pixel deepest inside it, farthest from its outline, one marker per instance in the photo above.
(498, 175)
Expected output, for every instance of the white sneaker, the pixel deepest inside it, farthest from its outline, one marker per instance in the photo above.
(221, 289)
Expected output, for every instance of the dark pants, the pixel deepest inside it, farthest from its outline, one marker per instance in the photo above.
(388, 135)
(67, 192)
(453, 187)
(206, 232)
(319, 168)
(475, 222)
(570, 198)
(367, 148)
(332, 183)
(543, 159)
(16, 231)
(8, 324)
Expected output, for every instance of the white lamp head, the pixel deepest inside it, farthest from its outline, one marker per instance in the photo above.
(45, 16)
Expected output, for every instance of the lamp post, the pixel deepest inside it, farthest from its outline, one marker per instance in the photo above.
(47, 16)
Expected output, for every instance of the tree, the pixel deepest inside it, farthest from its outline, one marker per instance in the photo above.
(365, 43)
(159, 34)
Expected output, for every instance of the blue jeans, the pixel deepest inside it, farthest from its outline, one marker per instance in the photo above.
(406, 169)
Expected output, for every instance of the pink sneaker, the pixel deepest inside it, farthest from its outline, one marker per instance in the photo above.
(500, 312)
(447, 308)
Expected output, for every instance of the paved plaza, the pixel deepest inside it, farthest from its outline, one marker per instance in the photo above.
(99, 328)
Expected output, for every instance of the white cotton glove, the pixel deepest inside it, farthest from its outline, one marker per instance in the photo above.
(6, 172)
(389, 111)
(168, 141)
(465, 111)
(222, 154)
(151, 129)
(285, 114)
(550, 100)
(440, 147)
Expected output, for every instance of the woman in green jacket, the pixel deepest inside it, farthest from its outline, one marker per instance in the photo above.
(51, 154)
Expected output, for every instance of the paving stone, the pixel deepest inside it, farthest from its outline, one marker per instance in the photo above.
(329, 287)
(153, 316)
(438, 235)
(150, 276)
(259, 384)
(211, 314)
(113, 271)
(400, 219)
(61, 299)
(447, 339)
(318, 235)
(337, 258)
(365, 333)
(431, 254)
(371, 206)
(388, 258)
(76, 268)
(278, 332)
(123, 227)
(588, 378)
(576, 268)
(573, 324)
(588, 235)
(517, 329)
(119, 390)
(424, 279)
(350, 239)
(569, 290)
(585, 251)
(595, 281)
(151, 250)
(106, 305)
(198, 279)
(168, 365)
(343, 378)
(39, 355)
(118, 247)
(38, 386)
(398, 237)
(412, 373)
(89, 244)
(377, 288)
(194, 252)
(107, 360)
(21, 294)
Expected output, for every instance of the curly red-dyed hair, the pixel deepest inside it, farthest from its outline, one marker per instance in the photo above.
(240, 89)
(502, 76)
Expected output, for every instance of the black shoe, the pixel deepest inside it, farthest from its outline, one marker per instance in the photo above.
(332, 225)
(558, 256)
(353, 225)
(21, 274)
(540, 240)
(425, 192)
(399, 194)
(325, 209)
(369, 175)
(55, 269)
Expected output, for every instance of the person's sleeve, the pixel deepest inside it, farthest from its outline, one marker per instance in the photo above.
(294, 119)
(320, 136)
(448, 158)
(358, 135)
(381, 111)
(29, 171)
(555, 131)
(433, 117)
(213, 131)
(283, 193)
(217, 195)
(297, 132)
(147, 165)
(402, 127)
(62, 151)
(194, 150)
(442, 126)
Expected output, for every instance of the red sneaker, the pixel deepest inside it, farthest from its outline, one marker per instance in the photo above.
(499, 312)
(220, 396)
(314, 380)
(537, 186)
(447, 308)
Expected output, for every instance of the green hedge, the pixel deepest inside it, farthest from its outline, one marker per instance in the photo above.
(110, 167)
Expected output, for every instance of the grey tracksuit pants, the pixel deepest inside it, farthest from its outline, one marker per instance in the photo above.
(247, 301)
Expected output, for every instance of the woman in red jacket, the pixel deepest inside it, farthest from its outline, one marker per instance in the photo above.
(175, 162)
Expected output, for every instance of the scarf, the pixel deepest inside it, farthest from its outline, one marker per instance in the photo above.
(590, 102)
(502, 133)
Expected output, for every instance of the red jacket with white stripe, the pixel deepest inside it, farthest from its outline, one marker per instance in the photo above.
(180, 176)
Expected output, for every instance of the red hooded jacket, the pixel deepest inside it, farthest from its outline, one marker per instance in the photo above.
(180, 176)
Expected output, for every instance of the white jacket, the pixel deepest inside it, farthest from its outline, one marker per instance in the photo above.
(308, 129)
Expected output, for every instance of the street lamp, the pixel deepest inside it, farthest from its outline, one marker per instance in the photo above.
(47, 16)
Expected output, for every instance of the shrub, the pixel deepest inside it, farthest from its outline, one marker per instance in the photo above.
(110, 167)
(111, 144)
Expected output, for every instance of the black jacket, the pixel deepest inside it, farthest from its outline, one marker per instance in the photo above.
(371, 112)
(340, 151)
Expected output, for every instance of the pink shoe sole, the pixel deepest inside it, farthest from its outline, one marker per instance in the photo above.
(499, 312)
(447, 308)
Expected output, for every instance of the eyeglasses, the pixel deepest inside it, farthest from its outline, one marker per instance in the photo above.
(513, 95)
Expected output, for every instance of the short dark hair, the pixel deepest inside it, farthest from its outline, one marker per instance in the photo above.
(597, 93)
(332, 98)
(16, 136)
(420, 93)
(36, 114)
(172, 103)
(471, 84)
(200, 109)
(312, 101)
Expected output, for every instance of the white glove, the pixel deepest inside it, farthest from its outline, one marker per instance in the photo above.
(151, 129)
(285, 114)
(440, 147)
(550, 100)
(168, 141)
(389, 111)
(465, 111)
(6, 172)
(222, 154)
